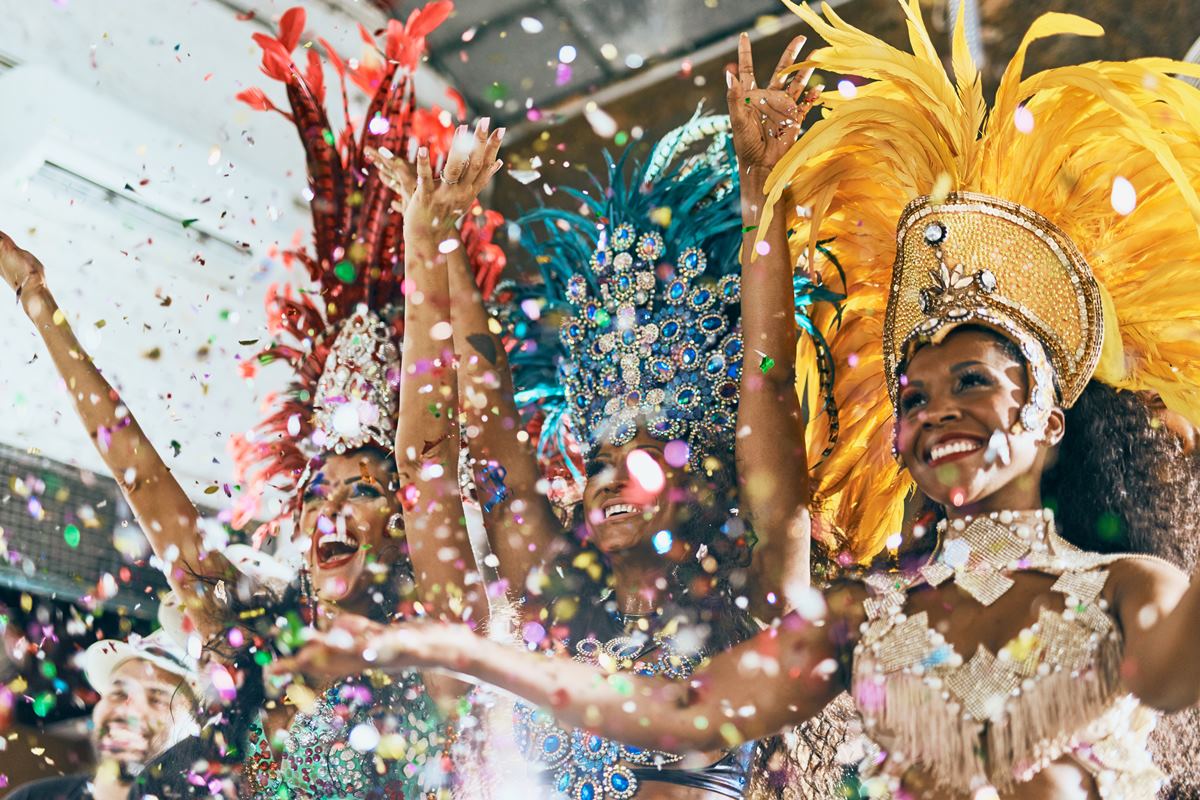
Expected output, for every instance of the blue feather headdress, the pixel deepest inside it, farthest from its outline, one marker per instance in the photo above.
(644, 281)
(636, 321)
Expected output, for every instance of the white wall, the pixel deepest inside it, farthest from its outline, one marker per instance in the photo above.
(131, 91)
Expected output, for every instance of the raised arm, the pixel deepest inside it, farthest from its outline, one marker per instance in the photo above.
(521, 525)
(520, 522)
(427, 436)
(780, 677)
(164, 511)
(771, 455)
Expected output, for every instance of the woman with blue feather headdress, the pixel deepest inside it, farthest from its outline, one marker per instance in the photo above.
(629, 354)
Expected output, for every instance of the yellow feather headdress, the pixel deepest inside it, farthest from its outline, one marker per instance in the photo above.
(1066, 145)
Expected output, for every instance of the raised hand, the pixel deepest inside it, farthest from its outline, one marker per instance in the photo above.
(766, 122)
(22, 271)
(436, 204)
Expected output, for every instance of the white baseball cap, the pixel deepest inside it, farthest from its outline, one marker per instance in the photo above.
(103, 658)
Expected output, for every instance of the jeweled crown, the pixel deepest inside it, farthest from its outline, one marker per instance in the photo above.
(357, 396)
(652, 342)
(975, 259)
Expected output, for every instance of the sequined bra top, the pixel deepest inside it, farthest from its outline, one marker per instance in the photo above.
(997, 719)
(584, 766)
(358, 739)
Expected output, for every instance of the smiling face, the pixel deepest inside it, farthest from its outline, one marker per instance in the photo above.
(632, 493)
(347, 507)
(140, 715)
(957, 410)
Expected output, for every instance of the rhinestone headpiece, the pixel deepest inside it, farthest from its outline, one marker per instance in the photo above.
(657, 345)
(644, 281)
(979, 260)
(357, 396)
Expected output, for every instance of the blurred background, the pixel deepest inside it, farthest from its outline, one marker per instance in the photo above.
(160, 206)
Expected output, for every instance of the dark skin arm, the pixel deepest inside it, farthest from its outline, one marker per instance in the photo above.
(1158, 610)
(163, 510)
(780, 677)
(771, 453)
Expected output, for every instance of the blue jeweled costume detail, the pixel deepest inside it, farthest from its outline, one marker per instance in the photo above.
(647, 281)
(584, 766)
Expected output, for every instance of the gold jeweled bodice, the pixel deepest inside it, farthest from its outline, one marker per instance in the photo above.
(997, 718)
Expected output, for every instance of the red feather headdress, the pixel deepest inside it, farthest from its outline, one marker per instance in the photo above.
(357, 255)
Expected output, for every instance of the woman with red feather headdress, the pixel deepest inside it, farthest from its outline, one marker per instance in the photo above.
(328, 444)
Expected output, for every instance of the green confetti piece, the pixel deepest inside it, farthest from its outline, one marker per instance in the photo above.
(176, 447)
(497, 91)
(327, 135)
(748, 228)
(71, 536)
(187, 223)
(621, 138)
(43, 704)
(344, 271)
(49, 670)
(766, 364)
(262, 658)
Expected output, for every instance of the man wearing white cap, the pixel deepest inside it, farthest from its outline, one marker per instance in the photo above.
(147, 703)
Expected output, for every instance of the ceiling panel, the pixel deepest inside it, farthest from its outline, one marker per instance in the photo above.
(509, 65)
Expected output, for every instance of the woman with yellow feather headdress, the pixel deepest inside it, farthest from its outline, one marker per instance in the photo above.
(999, 278)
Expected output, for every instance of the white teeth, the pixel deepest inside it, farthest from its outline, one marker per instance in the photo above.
(620, 508)
(944, 449)
(338, 536)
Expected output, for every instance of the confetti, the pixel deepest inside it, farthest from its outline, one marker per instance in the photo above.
(645, 471)
(662, 542)
(1124, 196)
(71, 536)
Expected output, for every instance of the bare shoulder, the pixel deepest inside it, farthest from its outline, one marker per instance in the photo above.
(1146, 579)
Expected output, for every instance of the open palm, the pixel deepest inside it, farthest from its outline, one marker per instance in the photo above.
(766, 122)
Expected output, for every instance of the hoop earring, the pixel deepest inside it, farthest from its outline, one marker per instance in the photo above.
(395, 524)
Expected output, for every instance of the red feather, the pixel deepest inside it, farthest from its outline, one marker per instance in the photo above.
(315, 76)
(291, 27)
(258, 100)
(422, 23)
(276, 61)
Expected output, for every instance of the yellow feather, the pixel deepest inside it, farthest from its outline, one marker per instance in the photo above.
(912, 127)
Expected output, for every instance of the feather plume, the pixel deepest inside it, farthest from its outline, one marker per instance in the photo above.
(913, 130)
(357, 251)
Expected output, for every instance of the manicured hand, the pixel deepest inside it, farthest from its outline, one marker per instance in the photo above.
(435, 204)
(766, 122)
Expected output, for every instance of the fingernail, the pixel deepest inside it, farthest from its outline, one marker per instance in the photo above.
(745, 35)
(423, 152)
(500, 132)
(383, 151)
(728, 79)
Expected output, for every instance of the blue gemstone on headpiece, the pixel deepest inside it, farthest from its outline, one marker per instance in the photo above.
(727, 390)
(587, 791)
(622, 237)
(712, 324)
(701, 299)
(688, 355)
(669, 330)
(620, 782)
(551, 744)
(715, 364)
(686, 396)
(676, 291)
